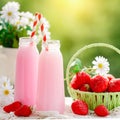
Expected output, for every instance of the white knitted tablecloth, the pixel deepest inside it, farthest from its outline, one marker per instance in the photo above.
(114, 114)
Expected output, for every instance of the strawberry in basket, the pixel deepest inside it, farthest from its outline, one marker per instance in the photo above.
(80, 79)
(114, 85)
(99, 83)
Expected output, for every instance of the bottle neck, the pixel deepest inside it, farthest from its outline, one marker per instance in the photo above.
(26, 41)
(51, 45)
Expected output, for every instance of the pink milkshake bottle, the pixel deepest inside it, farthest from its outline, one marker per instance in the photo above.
(50, 91)
(26, 72)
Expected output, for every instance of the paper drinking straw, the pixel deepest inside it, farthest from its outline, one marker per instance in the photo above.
(39, 25)
(43, 32)
(35, 24)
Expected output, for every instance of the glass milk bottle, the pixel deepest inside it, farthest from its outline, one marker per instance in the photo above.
(50, 92)
(26, 72)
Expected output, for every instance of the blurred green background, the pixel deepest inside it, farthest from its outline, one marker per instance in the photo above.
(77, 23)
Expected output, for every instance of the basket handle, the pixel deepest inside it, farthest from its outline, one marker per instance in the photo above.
(85, 48)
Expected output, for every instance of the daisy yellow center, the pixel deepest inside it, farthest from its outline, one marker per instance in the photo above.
(100, 65)
(9, 13)
(30, 20)
(18, 22)
(6, 92)
(4, 83)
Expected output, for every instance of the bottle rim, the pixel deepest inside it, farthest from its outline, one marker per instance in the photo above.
(25, 40)
(51, 44)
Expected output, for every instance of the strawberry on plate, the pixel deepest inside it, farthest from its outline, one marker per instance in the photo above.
(99, 83)
(101, 110)
(79, 107)
(79, 79)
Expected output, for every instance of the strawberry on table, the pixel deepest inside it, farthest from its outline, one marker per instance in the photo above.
(99, 83)
(114, 85)
(101, 110)
(79, 79)
(12, 107)
(24, 110)
(79, 107)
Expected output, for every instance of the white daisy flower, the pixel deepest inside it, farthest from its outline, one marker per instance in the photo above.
(4, 81)
(24, 21)
(6, 94)
(101, 65)
(10, 12)
(28, 15)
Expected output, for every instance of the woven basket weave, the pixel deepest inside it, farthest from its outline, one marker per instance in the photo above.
(109, 99)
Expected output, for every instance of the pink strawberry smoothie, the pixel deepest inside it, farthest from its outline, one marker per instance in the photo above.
(50, 92)
(26, 72)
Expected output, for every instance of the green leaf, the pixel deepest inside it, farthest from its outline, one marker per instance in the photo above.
(28, 28)
(76, 66)
(22, 33)
(15, 43)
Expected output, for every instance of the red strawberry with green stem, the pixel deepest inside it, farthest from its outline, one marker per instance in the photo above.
(79, 79)
(12, 107)
(24, 110)
(79, 107)
(99, 83)
(101, 110)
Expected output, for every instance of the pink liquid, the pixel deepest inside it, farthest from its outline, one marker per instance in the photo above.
(50, 92)
(26, 74)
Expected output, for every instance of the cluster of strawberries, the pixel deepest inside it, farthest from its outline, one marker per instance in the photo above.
(98, 83)
(18, 109)
(84, 82)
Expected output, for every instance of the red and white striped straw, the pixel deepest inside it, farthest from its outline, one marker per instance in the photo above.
(39, 25)
(43, 32)
(37, 22)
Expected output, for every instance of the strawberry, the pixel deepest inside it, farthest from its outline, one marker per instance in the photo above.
(24, 110)
(85, 87)
(110, 77)
(114, 85)
(99, 83)
(79, 79)
(101, 110)
(79, 107)
(12, 107)
(74, 82)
